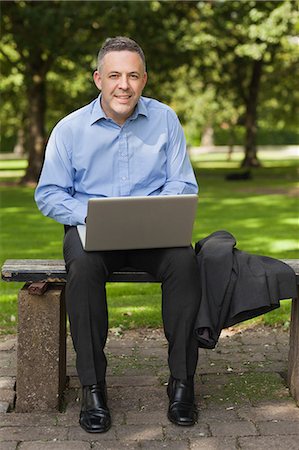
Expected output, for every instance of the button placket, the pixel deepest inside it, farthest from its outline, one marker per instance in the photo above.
(124, 178)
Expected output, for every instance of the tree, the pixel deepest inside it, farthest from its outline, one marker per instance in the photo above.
(51, 43)
(242, 41)
(40, 33)
(217, 62)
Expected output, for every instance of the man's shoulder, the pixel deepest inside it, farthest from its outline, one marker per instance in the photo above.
(77, 117)
(154, 105)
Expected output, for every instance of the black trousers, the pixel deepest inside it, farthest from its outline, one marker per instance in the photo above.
(87, 273)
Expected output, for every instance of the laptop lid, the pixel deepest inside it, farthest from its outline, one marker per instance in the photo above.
(123, 223)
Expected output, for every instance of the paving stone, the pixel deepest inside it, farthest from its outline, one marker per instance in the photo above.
(283, 348)
(213, 443)
(7, 382)
(218, 379)
(212, 367)
(71, 418)
(216, 413)
(4, 407)
(115, 445)
(8, 445)
(156, 352)
(7, 359)
(144, 417)
(278, 410)
(73, 382)
(174, 432)
(118, 352)
(24, 433)
(29, 419)
(238, 357)
(277, 356)
(7, 395)
(138, 400)
(54, 445)
(140, 432)
(234, 428)
(251, 338)
(145, 369)
(8, 343)
(77, 433)
(279, 427)
(162, 445)
(269, 442)
(71, 371)
(137, 380)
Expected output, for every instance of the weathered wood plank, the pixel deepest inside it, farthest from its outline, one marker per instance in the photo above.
(53, 271)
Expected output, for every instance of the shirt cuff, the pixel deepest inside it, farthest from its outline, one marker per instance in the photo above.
(78, 216)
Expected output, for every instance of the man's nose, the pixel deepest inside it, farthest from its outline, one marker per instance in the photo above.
(123, 82)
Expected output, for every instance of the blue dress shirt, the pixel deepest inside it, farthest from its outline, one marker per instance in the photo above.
(88, 155)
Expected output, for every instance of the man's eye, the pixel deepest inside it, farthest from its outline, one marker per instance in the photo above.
(113, 76)
(134, 76)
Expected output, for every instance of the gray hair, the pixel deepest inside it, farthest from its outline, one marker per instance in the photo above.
(118, 44)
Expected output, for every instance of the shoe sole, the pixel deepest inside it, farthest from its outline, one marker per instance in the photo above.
(181, 424)
(104, 430)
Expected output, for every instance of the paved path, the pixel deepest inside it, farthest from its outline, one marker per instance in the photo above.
(240, 389)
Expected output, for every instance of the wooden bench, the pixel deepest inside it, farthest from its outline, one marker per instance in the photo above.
(41, 354)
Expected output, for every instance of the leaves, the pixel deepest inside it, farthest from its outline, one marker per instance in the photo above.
(201, 57)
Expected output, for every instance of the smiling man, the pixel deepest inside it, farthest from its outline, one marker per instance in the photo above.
(121, 144)
(121, 90)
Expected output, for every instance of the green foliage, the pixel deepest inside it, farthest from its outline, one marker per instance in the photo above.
(270, 136)
(199, 57)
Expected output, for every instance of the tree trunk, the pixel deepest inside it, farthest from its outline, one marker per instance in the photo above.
(207, 139)
(35, 127)
(251, 159)
(19, 148)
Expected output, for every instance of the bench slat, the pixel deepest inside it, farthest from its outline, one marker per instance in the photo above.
(53, 270)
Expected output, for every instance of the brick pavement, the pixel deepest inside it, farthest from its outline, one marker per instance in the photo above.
(240, 390)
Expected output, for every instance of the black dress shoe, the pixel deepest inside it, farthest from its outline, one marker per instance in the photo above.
(95, 415)
(182, 409)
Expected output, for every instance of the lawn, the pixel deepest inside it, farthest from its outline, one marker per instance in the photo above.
(262, 214)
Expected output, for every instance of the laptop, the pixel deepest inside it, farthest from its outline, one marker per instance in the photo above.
(125, 223)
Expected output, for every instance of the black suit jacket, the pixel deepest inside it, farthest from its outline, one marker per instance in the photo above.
(236, 285)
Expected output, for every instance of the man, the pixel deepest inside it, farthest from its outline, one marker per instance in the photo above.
(121, 144)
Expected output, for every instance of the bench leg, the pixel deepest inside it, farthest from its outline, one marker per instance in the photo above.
(41, 355)
(293, 369)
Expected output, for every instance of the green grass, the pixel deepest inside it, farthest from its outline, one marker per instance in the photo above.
(261, 213)
(245, 387)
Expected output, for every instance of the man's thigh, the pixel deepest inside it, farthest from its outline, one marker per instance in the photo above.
(159, 261)
(74, 253)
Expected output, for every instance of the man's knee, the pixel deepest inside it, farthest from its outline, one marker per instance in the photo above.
(179, 261)
(87, 265)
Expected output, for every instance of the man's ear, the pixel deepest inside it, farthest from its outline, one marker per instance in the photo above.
(97, 79)
(144, 79)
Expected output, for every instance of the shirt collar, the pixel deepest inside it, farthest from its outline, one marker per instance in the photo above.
(97, 112)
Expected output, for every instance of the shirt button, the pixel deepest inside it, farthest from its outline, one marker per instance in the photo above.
(124, 178)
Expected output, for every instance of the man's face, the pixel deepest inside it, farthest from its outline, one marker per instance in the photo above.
(121, 80)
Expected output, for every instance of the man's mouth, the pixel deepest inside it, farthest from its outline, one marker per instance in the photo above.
(123, 97)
